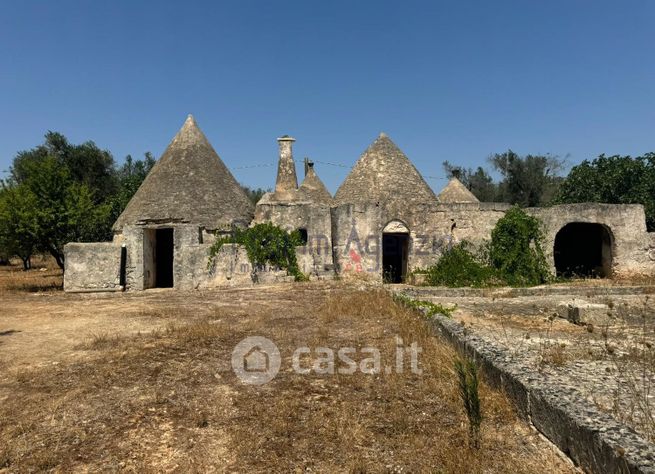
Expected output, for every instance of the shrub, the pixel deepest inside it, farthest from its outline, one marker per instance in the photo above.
(266, 244)
(460, 266)
(516, 249)
(514, 257)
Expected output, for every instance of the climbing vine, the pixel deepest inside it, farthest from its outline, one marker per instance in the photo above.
(266, 244)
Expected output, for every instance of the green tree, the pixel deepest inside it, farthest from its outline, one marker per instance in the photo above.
(254, 194)
(129, 176)
(613, 180)
(18, 224)
(531, 180)
(62, 210)
(58, 192)
(478, 181)
(86, 164)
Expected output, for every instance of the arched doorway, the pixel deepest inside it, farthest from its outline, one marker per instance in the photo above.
(395, 250)
(583, 249)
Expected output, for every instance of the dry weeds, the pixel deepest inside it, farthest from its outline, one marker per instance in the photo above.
(45, 275)
(167, 400)
(612, 365)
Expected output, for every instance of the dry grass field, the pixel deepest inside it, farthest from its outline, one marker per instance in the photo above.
(143, 382)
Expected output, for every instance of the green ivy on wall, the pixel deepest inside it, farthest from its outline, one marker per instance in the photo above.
(266, 244)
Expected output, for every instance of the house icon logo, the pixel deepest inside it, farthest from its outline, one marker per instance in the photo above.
(256, 360)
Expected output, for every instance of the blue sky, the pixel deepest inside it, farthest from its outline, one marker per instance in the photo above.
(450, 80)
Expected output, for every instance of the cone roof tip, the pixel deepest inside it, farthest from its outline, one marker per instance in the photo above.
(313, 188)
(189, 132)
(190, 123)
(455, 191)
(190, 183)
(383, 173)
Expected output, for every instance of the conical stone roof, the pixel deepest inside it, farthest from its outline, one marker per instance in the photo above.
(313, 188)
(384, 174)
(189, 184)
(455, 191)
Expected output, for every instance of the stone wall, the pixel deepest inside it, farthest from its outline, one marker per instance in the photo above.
(92, 266)
(357, 232)
(132, 238)
(439, 227)
(651, 247)
(594, 440)
(347, 239)
(230, 267)
(356, 241)
(190, 260)
(314, 258)
(185, 237)
(630, 243)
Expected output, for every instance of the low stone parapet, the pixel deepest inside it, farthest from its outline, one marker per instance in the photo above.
(592, 439)
(92, 267)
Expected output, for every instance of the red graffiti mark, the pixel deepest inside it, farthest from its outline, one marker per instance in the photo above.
(356, 259)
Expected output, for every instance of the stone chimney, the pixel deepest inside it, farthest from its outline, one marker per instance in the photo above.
(308, 165)
(287, 182)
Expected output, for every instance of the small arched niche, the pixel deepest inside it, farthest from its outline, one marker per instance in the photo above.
(583, 249)
(395, 251)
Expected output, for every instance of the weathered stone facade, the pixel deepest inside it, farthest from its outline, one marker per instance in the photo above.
(384, 221)
(314, 258)
(358, 232)
(93, 267)
(629, 242)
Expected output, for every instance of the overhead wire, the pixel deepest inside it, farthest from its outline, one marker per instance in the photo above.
(338, 165)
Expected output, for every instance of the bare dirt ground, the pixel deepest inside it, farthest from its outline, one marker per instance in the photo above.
(612, 364)
(143, 382)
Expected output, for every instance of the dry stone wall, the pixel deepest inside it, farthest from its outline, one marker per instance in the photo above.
(92, 266)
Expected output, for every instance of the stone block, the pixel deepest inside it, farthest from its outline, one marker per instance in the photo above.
(583, 312)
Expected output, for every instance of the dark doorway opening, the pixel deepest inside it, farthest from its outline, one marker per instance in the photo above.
(583, 250)
(394, 257)
(164, 258)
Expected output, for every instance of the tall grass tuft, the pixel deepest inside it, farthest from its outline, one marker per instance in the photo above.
(467, 373)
